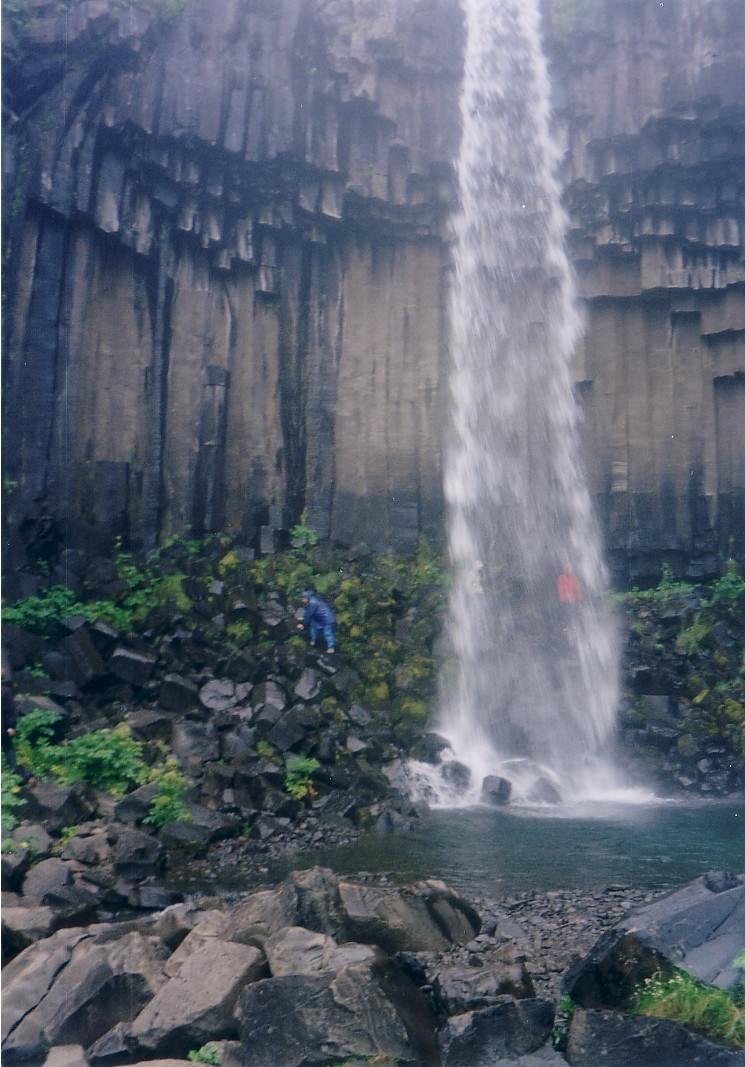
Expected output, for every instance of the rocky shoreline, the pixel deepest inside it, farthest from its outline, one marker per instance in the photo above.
(550, 929)
(321, 970)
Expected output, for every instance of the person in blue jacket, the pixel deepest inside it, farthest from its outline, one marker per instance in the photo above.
(318, 615)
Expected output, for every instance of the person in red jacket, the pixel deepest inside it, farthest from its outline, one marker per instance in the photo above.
(569, 593)
(568, 587)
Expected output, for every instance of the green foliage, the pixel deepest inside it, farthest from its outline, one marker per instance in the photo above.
(34, 733)
(298, 778)
(208, 1053)
(689, 639)
(670, 587)
(168, 804)
(429, 568)
(37, 613)
(303, 535)
(562, 1020)
(415, 710)
(145, 590)
(240, 632)
(729, 587)
(667, 590)
(11, 786)
(109, 759)
(700, 1007)
(228, 564)
(265, 749)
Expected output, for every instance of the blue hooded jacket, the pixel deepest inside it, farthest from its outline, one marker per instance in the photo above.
(318, 610)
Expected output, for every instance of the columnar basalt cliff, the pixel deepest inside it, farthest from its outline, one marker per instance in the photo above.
(650, 96)
(226, 267)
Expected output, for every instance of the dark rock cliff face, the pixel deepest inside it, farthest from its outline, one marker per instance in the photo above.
(650, 96)
(226, 262)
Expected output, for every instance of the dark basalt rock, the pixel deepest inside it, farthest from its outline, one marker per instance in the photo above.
(345, 1015)
(501, 1033)
(496, 790)
(57, 806)
(627, 1041)
(696, 928)
(131, 666)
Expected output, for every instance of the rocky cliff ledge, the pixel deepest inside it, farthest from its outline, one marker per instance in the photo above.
(227, 259)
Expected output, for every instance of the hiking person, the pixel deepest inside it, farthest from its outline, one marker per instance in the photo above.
(569, 592)
(318, 615)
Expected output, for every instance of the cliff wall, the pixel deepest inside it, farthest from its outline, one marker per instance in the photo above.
(226, 262)
(650, 100)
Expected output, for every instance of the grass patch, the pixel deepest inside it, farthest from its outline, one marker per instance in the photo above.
(708, 1011)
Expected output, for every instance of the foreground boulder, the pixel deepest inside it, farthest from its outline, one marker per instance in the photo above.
(604, 1037)
(426, 916)
(361, 1011)
(498, 1034)
(700, 928)
(196, 1004)
(71, 987)
(304, 969)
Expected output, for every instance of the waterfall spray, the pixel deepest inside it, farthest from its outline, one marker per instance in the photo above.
(530, 686)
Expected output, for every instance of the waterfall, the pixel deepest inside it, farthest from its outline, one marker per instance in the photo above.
(530, 686)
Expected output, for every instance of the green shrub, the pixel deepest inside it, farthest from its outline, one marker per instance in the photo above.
(109, 759)
(415, 710)
(145, 589)
(208, 1053)
(703, 1008)
(168, 804)
(562, 1021)
(11, 785)
(239, 632)
(667, 590)
(689, 640)
(303, 535)
(298, 778)
(729, 587)
(37, 613)
(33, 740)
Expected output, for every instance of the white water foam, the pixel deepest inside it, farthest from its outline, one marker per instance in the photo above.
(530, 688)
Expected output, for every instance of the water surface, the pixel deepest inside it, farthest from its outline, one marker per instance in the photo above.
(481, 851)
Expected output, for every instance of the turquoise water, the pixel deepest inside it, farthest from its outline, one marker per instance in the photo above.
(483, 851)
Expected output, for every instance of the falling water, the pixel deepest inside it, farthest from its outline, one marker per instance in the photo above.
(528, 693)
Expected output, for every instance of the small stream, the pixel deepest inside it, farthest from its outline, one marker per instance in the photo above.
(485, 852)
